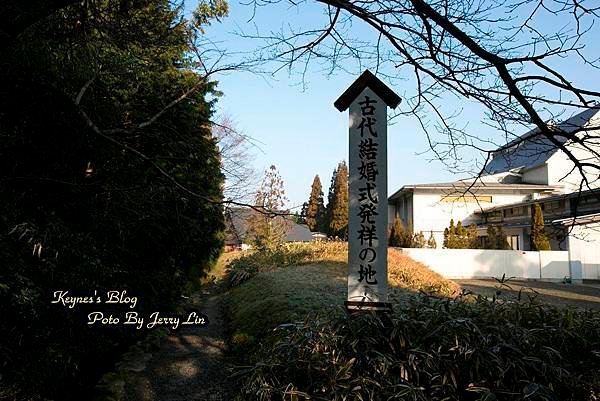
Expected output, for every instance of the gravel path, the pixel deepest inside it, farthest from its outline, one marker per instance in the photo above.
(190, 364)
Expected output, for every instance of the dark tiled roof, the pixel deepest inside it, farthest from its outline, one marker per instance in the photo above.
(237, 227)
(536, 149)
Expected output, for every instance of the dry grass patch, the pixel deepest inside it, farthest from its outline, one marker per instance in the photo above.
(407, 273)
(270, 289)
(403, 272)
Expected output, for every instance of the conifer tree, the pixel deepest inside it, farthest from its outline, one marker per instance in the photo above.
(338, 226)
(450, 236)
(419, 240)
(539, 240)
(315, 209)
(473, 237)
(330, 202)
(409, 236)
(460, 238)
(491, 241)
(431, 243)
(501, 241)
(396, 237)
(302, 218)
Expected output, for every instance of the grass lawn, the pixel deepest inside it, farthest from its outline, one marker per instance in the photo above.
(429, 348)
(315, 281)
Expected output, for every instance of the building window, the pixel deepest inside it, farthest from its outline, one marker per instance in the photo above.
(513, 241)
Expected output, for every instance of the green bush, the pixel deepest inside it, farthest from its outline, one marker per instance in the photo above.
(80, 211)
(434, 349)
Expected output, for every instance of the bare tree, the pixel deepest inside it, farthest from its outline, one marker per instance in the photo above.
(505, 55)
(236, 151)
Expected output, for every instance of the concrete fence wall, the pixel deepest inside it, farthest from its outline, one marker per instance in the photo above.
(483, 263)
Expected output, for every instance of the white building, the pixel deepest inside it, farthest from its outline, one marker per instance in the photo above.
(531, 170)
(429, 207)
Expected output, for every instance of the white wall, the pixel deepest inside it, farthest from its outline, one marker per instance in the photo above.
(482, 263)
(537, 175)
(431, 214)
(584, 251)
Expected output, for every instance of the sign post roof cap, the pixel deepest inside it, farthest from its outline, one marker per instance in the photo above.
(367, 79)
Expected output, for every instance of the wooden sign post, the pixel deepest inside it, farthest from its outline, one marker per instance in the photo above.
(368, 99)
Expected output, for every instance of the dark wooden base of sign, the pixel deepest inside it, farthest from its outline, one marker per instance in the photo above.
(354, 307)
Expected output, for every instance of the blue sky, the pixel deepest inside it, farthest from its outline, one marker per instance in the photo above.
(298, 128)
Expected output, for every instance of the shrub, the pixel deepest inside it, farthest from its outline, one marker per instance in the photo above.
(539, 239)
(434, 349)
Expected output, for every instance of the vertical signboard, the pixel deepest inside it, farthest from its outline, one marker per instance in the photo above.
(367, 99)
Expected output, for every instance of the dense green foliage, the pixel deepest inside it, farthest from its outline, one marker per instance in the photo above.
(402, 236)
(337, 206)
(496, 238)
(459, 237)
(434, 349)
(315, 209)
(539, 239)
(96, 214)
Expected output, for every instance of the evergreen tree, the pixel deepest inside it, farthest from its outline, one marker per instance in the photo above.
(315, 210)
(108, 160)
(330, 203)
(460, 238)
(419, 240)
(338, 225)
(491, 241)
(431, 243)
(396, 236)
(501, 241)
(473, 237)
(450, 236)
(409, 237)
(539, 239)
(302, 217)
(496, 238)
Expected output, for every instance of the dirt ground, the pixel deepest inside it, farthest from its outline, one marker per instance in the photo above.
(190, 366)
(580, 295)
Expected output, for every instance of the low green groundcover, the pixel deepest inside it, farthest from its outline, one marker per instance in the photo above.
(433, 349)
